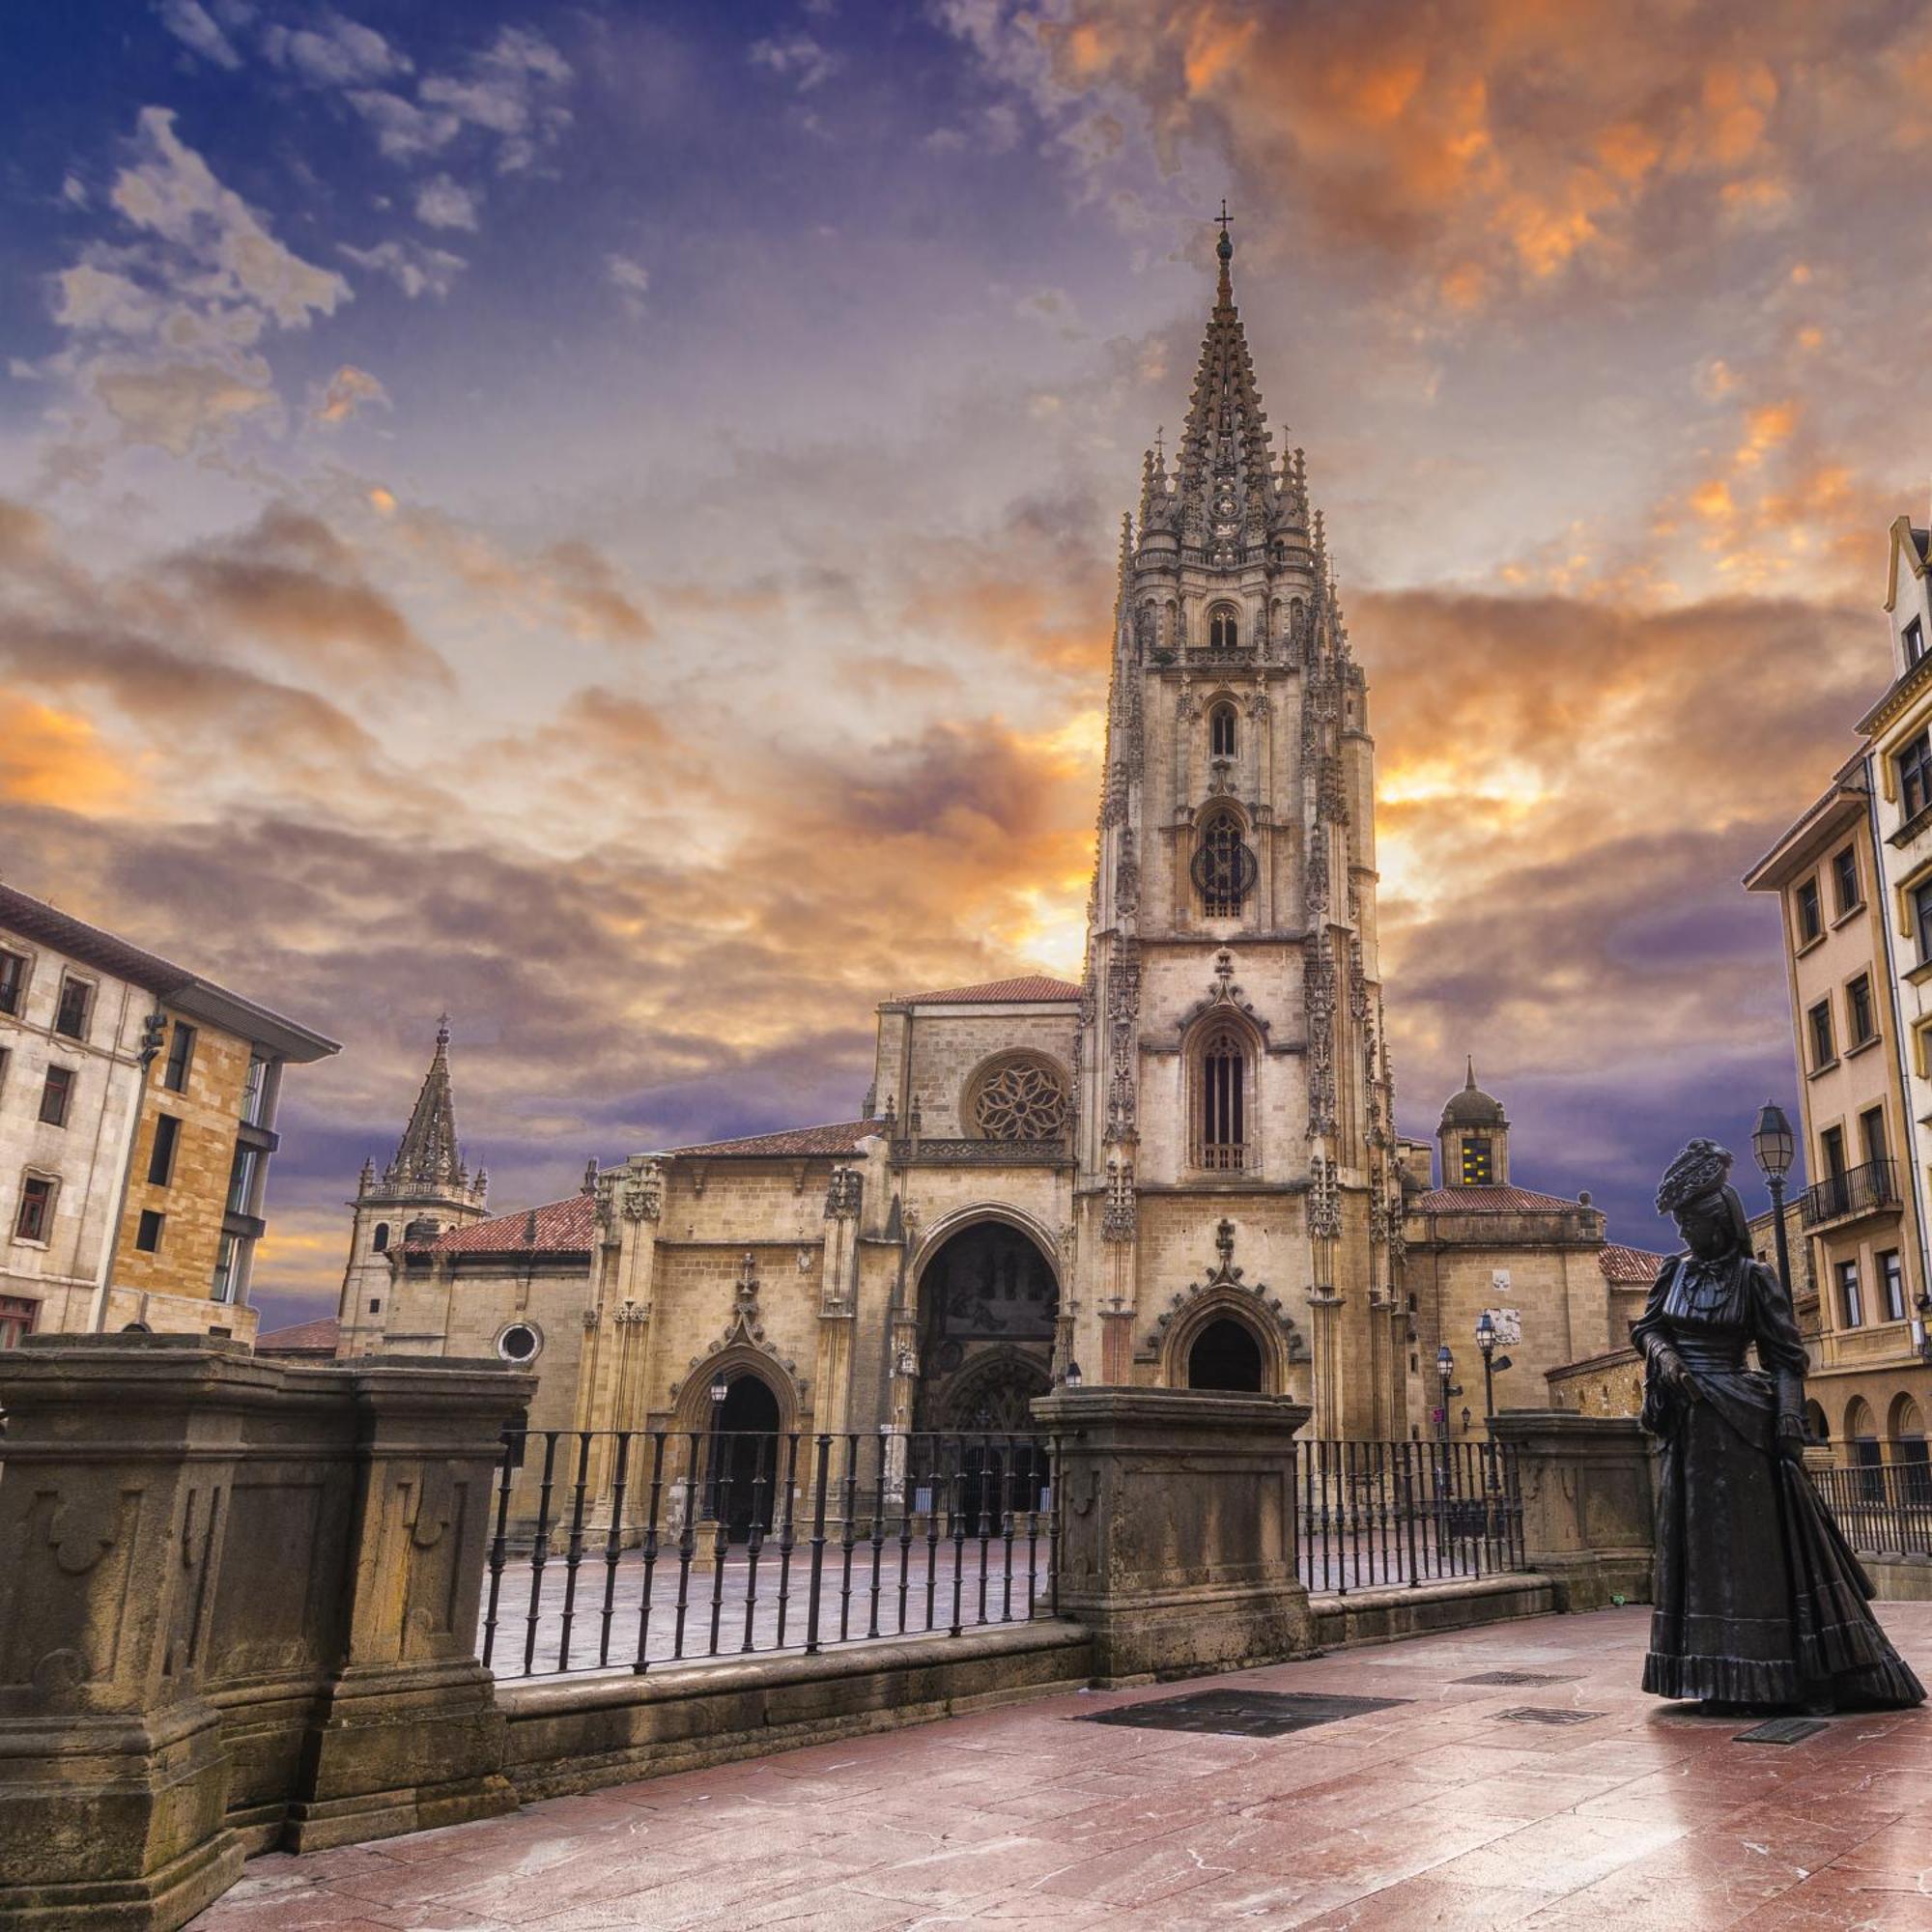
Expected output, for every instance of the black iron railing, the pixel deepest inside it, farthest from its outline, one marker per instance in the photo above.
(1869, 1189)
(1373, 1514)
(1885, 1509)
(628, 1549)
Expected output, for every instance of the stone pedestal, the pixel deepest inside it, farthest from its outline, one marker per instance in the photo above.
(1588, 1516)
(1177, 1544)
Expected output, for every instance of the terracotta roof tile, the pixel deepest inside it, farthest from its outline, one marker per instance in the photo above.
(843, 1138)
(305, 1338)
(1488, 1201)
(559, 1227)
(1621, 1263)
(995, 992)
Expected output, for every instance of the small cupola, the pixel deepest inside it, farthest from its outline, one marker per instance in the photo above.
(1474, 1135)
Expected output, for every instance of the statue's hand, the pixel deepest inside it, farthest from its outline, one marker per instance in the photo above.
(1791, 1442)
(1670, 1364)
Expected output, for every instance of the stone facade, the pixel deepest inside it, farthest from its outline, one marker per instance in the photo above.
(137, 1100)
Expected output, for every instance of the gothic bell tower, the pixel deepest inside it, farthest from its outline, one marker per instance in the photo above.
(1236, 1101)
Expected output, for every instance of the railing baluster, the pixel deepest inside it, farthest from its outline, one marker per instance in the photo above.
(687, 1540)
(1007, 1528)
(908, 1492)
(984, 1517)
(573, 1554)
(499, 1547)
(878, 1536)
(722, 1441)
(785, 1536)
(650, 1549)
(817, 1544)
(539, 1552)
(1033, 1492)
(848, 1534)
(931, 1526)
(614, 1544)
(956, 1530)
(1408, 1509)
(756, 1539)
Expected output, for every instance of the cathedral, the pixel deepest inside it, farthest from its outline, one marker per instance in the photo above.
(1182, 1172)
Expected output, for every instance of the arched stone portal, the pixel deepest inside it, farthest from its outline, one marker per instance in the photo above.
(743, 1477)
(988, 1303)
(1225, 1355)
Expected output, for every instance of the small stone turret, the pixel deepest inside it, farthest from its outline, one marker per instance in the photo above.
(1474, 1133)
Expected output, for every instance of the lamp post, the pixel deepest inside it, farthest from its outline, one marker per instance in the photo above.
(1493, 1363)
(1773, 1146)
(1071, 1379)
(1921, 1328)
(1445, 1371)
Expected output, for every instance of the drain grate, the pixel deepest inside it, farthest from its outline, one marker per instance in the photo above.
(1518, 1677)
(1241, 1714)
(1538, 1714)
(1783, 1731)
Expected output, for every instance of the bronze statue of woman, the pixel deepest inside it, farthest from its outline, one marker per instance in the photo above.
(1758, 1599)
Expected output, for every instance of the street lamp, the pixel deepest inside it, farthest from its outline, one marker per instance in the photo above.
(1445, 1370)
(1773, 1146)
(1071, 1379)
(1922, 1326)
(719, 1389)
(1486, 1341)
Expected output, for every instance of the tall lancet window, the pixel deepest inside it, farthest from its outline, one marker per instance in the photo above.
(1225, 870)
(1223, 1138)
(1224, 629)
(1221, 732)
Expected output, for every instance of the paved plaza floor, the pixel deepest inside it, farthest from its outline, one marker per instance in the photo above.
(1445, 1810)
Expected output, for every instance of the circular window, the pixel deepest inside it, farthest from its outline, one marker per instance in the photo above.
(1020, 1100)
(519, 1343)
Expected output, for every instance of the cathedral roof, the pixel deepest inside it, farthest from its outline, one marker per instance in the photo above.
(1629, 1265)
(559, 1227)
(1029, 987)
(1495, 1200)
(1473, 1108)
(305, 1338)
(843, 1138)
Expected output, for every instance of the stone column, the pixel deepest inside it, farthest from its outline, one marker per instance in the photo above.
(409, 1736)
(119, 1459)
(1178, 1543)
(1588, 1515)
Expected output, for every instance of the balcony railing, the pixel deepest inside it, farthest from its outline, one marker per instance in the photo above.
(1869, 1189)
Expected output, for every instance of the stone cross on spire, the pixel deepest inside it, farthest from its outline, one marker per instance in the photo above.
(427, 1161)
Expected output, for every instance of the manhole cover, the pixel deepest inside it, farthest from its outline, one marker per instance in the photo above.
(1243, 1713)
(1537, 1714)
(1515, 1677)
(1781, 1731)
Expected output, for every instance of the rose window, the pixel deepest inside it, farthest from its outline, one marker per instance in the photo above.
(1021, 1102)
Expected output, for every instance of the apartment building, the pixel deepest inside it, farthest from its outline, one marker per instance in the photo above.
(138, 1117)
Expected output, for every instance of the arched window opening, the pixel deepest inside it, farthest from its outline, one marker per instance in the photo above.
(1868, 1458)
(1224, 629)
(381, 1236)
(1225, 1355)
(1225, 870)
(1221, 727)
(1224, 1101)
(1816, 1428)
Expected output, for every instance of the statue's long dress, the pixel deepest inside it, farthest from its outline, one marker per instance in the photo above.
(1758, 1596)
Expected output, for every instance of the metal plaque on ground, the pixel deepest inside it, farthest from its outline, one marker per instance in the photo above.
(1241, 1714)
(1516, 1677)
(1537, 1714)
(1783, 1731)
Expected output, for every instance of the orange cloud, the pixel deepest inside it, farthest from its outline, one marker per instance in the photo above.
(55, 757)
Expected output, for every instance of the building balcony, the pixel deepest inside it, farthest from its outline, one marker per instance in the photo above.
(1870, 1189)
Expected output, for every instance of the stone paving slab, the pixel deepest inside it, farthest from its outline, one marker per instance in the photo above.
(1433, 1814)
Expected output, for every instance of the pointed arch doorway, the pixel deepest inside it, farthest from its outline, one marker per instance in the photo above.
(988, 1307)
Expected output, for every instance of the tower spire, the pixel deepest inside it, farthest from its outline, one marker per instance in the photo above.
(427, 1160)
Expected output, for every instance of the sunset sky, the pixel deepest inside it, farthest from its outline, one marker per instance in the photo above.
(601, 517)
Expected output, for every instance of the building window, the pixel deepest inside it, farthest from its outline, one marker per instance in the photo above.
(227, 1269)
(56, 1094)
(6, 1061)
(519, 1343)
(181, 1057)
(16, 1319)
(1859, 1010)
(13, 982)
(255, 1092)
(381, 1240)
(161, 1156)
(1892, 1276)
(1224, 868)
(241, 1181)
(1850, 1301)
(1914, 642)
(1810, 916)
(1915, 774)
(1478, 1163)
(375, 1304)
(1823, 1052)
(1221, 732)
(1224, 1100)
(148, 1235)
(1845, 879)
(75, 1008)
(1872, 1133)
(1224, 630)
(34, 1220)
